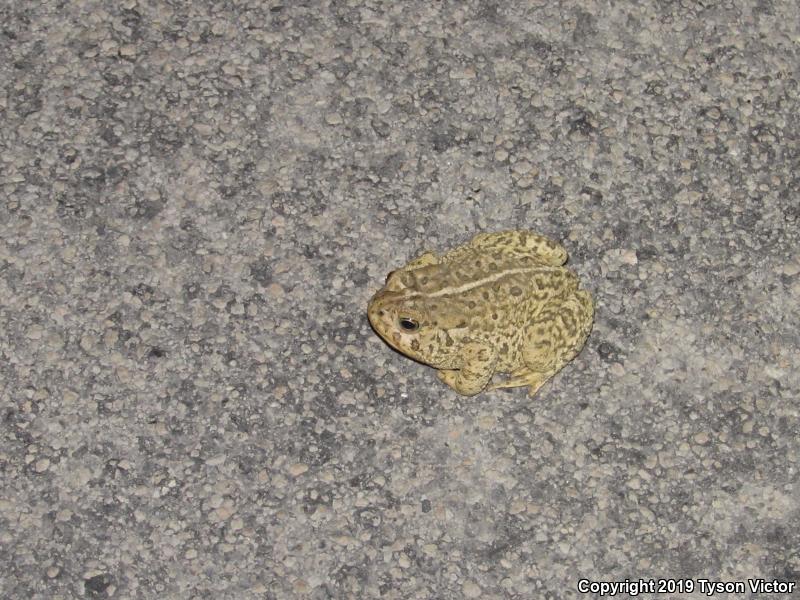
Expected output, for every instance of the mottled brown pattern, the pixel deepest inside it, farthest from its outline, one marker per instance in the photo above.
(502, 303)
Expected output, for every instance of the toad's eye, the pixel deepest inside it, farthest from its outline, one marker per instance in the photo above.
(408, 324)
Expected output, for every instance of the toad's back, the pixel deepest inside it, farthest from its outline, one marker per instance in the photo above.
(494, 284)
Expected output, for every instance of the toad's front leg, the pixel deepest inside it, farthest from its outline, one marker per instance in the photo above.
(475, 372)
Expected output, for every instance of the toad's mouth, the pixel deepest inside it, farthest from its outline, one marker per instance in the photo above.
(385, 323)
(382, 323)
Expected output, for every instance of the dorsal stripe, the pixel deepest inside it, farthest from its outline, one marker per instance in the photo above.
(489, 279)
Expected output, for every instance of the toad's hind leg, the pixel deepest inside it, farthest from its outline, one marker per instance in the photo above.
(552, 340)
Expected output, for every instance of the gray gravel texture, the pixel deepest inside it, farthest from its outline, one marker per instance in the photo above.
(198, 199)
